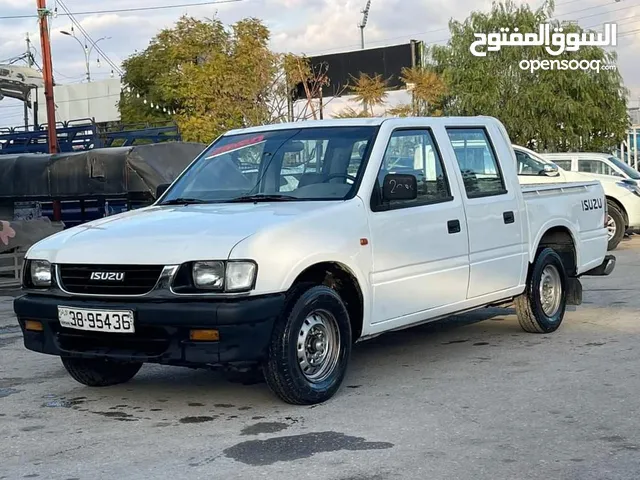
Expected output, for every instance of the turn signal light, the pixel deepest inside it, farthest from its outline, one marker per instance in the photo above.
(33, 326)
(204, 335)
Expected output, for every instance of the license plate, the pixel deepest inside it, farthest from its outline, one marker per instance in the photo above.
(111, 321)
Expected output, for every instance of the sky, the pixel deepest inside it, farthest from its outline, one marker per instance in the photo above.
(298, 26)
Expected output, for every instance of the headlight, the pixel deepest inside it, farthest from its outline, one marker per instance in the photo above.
(630, 185)
(217, 275)
(208, 275)
(240, 276)
(40, 273)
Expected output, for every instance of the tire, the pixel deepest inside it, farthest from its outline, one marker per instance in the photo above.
(99, 372)
(314, 317)
(532, 315)
(615, 226)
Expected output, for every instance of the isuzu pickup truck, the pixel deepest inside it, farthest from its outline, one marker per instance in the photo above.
(281, 246)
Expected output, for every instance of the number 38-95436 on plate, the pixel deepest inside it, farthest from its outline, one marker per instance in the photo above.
(114, 321)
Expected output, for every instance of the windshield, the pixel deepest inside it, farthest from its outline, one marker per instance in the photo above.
(630, 171)
(323, 163)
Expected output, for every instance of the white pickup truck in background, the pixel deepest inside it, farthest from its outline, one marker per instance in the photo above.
(282, 245)
(622, 191)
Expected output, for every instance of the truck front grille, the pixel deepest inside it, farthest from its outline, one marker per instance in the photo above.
(109, 279)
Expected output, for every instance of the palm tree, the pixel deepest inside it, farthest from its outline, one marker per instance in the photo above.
(369, 91)
(350, 112)
(427, 88)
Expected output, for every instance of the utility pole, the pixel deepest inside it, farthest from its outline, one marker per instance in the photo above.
(28, 96)
(363, 23)
(47, 73)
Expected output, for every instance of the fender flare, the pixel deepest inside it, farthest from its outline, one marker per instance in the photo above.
(345, 263)
(544, 229)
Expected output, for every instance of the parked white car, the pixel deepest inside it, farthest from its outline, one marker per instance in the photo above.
(623, 193)
(593, 163)
(392, 223)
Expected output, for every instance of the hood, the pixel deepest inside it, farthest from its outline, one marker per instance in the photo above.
(167, 235)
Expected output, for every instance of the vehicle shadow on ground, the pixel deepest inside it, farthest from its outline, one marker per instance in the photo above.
(169, 384)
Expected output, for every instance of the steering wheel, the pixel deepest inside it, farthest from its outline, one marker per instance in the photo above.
(339, 175)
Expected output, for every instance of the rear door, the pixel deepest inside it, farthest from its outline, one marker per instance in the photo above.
(420, 247)
(495, 214)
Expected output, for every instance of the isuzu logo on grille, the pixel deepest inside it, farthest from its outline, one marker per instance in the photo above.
(108, 276)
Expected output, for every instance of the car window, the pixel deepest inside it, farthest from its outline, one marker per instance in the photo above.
(315, 163)
(414, 152)
(629, 170)
(312, 160)
(477, 161)
(563, 164)
(597, 167)
(527, 165)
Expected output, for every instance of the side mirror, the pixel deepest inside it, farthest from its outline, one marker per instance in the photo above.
(399, 187)
(550, 171)
(294, 146)
(161, 189)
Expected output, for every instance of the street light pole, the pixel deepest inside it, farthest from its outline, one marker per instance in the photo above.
(86, 50)
(363, 23)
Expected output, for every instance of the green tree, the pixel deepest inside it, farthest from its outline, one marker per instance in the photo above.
(545, 109)
(214, 78)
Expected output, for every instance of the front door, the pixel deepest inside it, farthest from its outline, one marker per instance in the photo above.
(420, 247)
(495, 224)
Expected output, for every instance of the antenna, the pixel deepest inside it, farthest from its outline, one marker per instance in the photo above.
(363, 23)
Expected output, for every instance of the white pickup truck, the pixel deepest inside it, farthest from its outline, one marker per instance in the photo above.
(281, 246)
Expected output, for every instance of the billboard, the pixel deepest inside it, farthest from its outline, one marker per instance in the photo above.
(340, 67)
(97, 99)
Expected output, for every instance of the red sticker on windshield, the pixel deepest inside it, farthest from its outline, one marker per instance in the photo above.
(237, 145)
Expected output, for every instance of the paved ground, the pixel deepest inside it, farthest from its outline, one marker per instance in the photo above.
(458, 400)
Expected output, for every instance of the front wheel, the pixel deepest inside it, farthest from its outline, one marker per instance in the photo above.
(97, 372)
(615, 226)
(541, 307)
(310, 348)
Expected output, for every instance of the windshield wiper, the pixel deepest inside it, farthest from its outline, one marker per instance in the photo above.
(183, 201)
(259, 197)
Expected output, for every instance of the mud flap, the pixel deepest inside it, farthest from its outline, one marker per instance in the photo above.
(574, 291)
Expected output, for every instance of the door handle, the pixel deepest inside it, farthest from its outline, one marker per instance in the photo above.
(453, 226)
(508, 217)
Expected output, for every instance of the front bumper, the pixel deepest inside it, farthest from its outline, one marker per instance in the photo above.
(161, 329)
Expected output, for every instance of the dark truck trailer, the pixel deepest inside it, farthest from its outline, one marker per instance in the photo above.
(82, 186)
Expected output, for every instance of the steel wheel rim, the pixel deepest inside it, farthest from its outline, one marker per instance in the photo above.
(611, 227)
(550, 290)
(318, 346)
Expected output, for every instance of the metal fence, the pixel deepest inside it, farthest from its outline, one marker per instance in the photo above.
(629, 148)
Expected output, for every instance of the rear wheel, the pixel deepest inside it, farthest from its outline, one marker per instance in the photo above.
(541, 307)
(97, 372)
(615, 226)
(310, 348)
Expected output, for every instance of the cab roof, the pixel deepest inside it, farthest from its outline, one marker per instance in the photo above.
(368, 122)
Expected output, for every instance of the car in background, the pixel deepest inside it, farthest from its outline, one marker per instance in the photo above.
(623, 193)
(593, 164)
